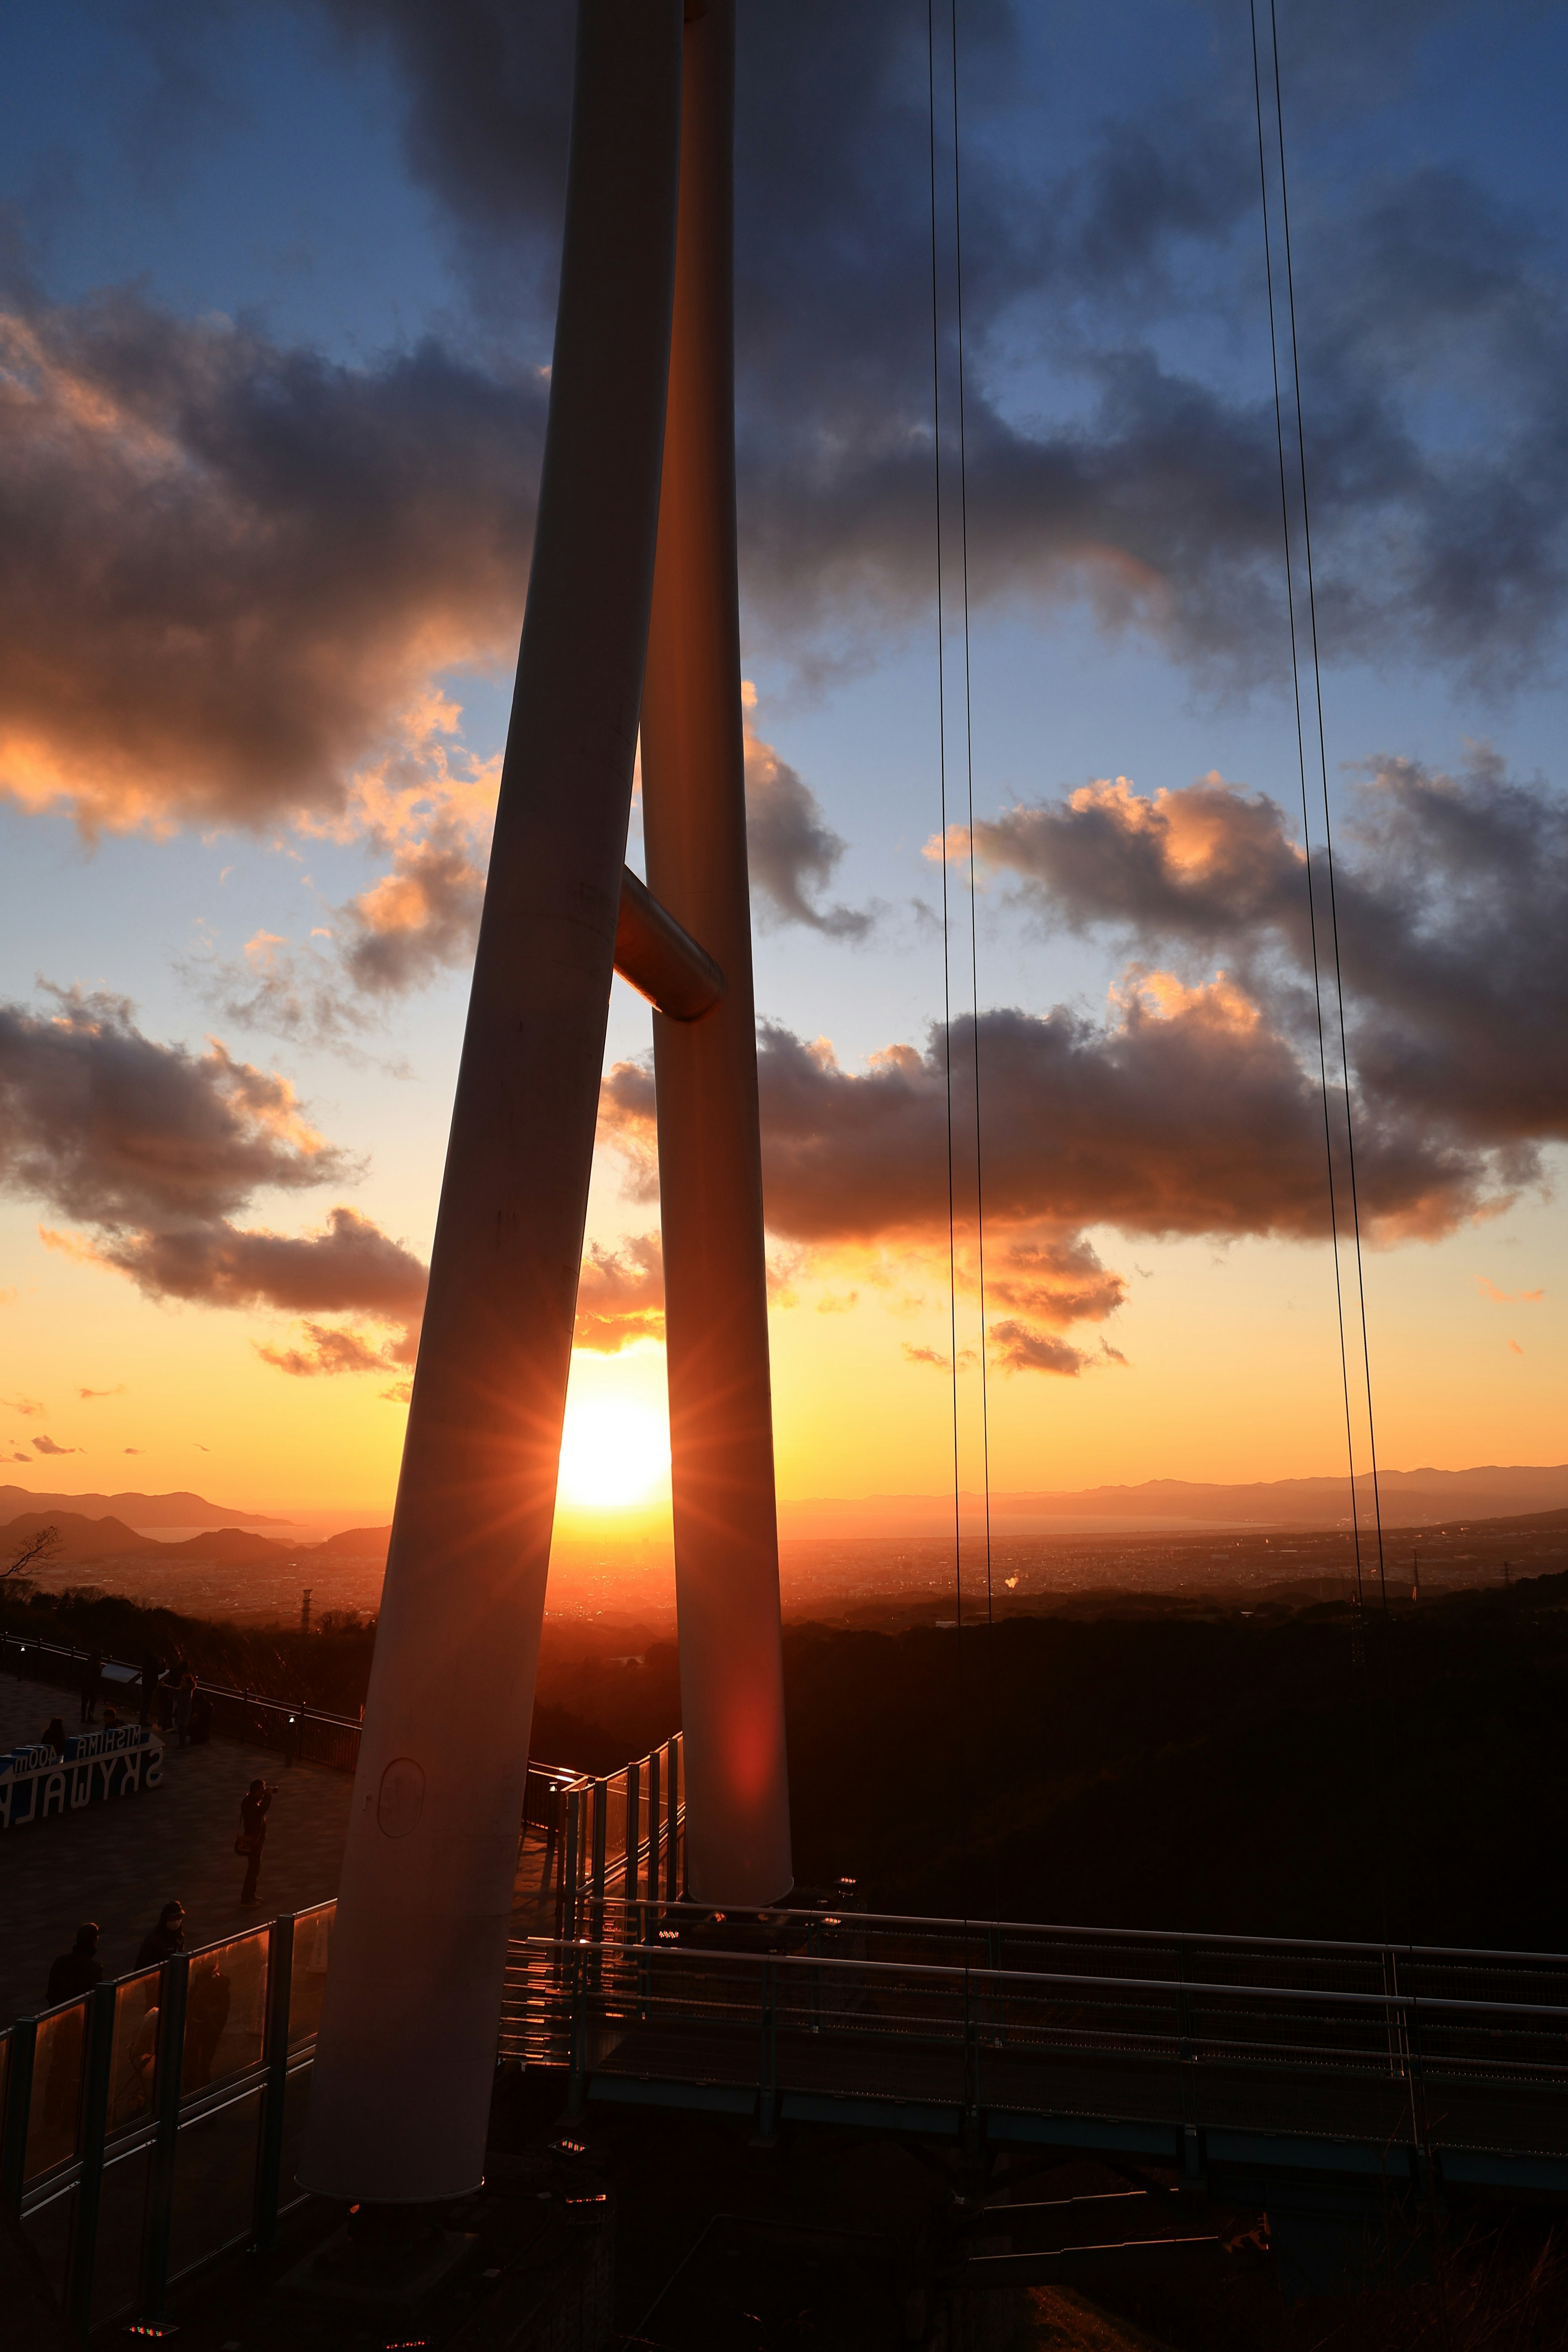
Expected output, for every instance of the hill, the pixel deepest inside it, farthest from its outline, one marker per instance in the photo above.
(357, 1543)
(81, 1539)
(227, 1547)
(181, 1509)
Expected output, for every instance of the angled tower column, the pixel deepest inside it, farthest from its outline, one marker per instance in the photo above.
(694, 818)
(406, 2055)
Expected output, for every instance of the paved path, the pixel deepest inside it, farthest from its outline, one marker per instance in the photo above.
(120, 1861)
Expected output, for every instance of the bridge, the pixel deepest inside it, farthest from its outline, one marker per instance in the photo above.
(152, 2127)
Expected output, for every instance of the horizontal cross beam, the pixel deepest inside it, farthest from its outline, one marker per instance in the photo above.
(662, 962)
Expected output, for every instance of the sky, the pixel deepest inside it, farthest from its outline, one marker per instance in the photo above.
(278, 288)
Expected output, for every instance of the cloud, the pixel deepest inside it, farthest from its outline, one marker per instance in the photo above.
(132, 1449)
(1185, 1112)
(1447, 888)
(48, 1445)
(421, 918)
(90, 1396)
(1514, 1349)
(792, 851)
(620, 1294)
(936, 1360)
(1017, 1348)
(1508, 1298)
(29, 1407)
(335, 1348)
(111, 1129)
(231, 566)
(235, 566)
(156, 1149)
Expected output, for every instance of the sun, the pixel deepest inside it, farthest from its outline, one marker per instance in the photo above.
(614, 1452)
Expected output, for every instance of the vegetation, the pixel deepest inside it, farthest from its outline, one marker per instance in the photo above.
(1166, 1768)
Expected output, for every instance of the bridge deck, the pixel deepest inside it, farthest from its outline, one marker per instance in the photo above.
(1295, 2054)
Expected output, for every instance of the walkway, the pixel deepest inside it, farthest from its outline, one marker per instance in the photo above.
(120, 1862)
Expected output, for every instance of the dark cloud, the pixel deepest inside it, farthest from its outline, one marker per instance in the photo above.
(1450, 890)
(792, 850)
(1440, 515)
(111, 1129)
(48, 1445)
(155, 1149)
(231, 570)
(1188, 1113)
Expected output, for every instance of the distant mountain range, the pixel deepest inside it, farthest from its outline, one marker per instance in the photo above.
(1408, 1498)
(84, 1539)
(182, 1510)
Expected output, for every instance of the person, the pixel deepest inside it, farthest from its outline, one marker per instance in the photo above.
(167, 1937)
(254, 1807)
(111, 1718)
(201, 1720)
(78, 1970)
(150, 1670)
(53, 1735)
(93, 1677)
(206, 2014)
(183, 1698)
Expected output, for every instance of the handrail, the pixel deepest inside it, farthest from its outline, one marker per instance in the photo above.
(545, 1782)
(978, 1927)
(974, 1974)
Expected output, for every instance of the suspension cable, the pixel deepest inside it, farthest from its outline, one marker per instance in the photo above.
(1328, 825)
(1306, 821)
(946, 965)
(969, 789)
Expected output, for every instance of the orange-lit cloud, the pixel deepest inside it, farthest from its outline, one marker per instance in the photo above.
(1508, 1298)
(620, 1294)
(232, 565)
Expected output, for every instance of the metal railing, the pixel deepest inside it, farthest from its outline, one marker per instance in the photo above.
(154, 2123)
(1405, 2057)
(619, 1839)
(300, 1733)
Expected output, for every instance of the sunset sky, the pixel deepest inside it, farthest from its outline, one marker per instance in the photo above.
(277, 295)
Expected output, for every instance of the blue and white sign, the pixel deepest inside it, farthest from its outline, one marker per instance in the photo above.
(36, 1781)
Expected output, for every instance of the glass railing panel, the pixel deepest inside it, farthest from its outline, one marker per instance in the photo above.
(134, 2061)
(56, 2106)
(226, 2010)
(117, 2264)
(49, 2229)
(214, 2182)
(614, 1819)
(313, 1949)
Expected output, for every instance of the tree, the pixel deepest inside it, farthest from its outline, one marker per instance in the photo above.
(40, 1546)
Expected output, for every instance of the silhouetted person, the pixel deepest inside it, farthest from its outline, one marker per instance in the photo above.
(150, 1670)
(166, 1700)
(201, 1720)
(184, 1697)
(167, 1937)
(78, 1970)
(111, 1718)
(254, 1807)
(206, 2014)
(91, 1678)
(53, 1735)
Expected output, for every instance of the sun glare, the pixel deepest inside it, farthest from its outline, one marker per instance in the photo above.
(614, 1452)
